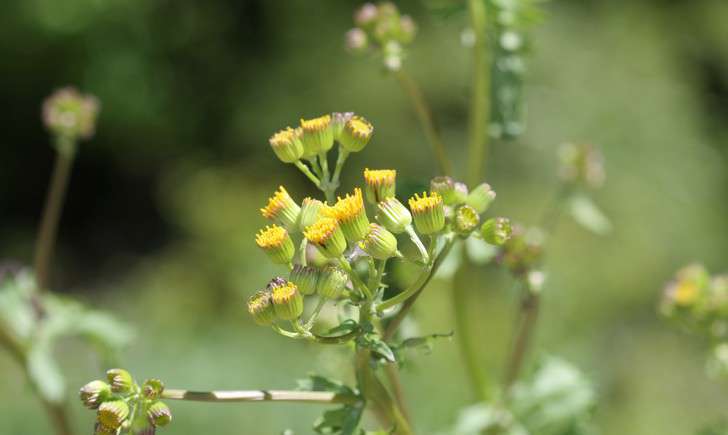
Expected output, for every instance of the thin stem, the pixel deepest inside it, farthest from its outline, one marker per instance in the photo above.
(324, 165)
(427, 121)
(528, 316)
(356, 281)
(307, 172)
(480, 93)
(340, 160)
(323, 397)
(52, 211)
(316, 311)
(392, 373)
(416, 240)
(307, 335)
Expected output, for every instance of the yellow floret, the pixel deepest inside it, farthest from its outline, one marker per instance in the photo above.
(424, 203)
(320, 232)
(278, 201)
(271, 237)
(378, 177)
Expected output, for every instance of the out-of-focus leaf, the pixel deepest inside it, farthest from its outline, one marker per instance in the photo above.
(424, 343)
(44, 372)
(588, 215)
(450, 264)
(345, 327)
(478, 251)
(16, 308)
(321, 383)
(719, 428)
(342, 421)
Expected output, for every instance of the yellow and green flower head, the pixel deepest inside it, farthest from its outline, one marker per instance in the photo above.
(380, 184)
(428, 212)
(287, 144)
(70, 115)
(352, 216)
(481, 197)
(338, 120)
(379, 243)
(120, 380)
(356, 134)
(112, 414)
(327, 236)
(393, 215)
(306, 278)
(310, 212)
(276, 242)
(282, 209)
(159, 414)
(466, 219)
(331, 282)
(94, 393)
(496, 231)
(287, 300)
(260, 306)
(318, 135)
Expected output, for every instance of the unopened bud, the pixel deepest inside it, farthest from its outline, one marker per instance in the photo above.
(94, 393)
(452, 192)
(480, 198)
(70, 115)
(318, 135)
(120, 380)
(379, 243)
(287, 145)
(380, 184)
(310, 211)
(159, 414)
(407, 29)
(356, 134)
(306, 278)
(366, 15)
(152, 389)
(338, 120)
(331, 282)
(393, 215)
(356, 40)
(496, 231)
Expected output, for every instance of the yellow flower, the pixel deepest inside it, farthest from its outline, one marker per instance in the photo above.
(356, 134)
(326, 234)
(276, 242)
(287, 300)
(318, 135)
(428, 212)
(685, 293)
(350, 213)
(282, 209)
(380, 184)
(287, 144)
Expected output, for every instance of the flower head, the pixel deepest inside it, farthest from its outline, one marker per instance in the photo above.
(112, 414)
(94, 393)
(326, 234)
(305, 277)
(287, 144)
(318, 135)
(379, 243)
(331, 282)
(287, 300)
(350, 213)
(393, 215)
(159, 414)
(466, 219)
(69, 114)
(356, 134)
(380, 184)
(283, 209)
(260, 306)
(276, 242)
(496, 231)
(120, 380)
(428, 212)
(310, 211)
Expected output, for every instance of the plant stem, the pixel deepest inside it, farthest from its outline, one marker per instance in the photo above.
(307, 172)
(416, 240)
(340, 160)
(480, 93)
(528, 317)
(356, 281)
(424, 113)
(324, 397)
(65, 154)
(315, 314)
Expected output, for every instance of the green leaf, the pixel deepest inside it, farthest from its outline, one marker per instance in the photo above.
(16, 307)
(343, 421)
(321, 383)
(586, 213)
(377, 346)
(345, 327)
(424, 343)
(44, 372)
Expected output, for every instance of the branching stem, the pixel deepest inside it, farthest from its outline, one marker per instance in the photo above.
(322, 397)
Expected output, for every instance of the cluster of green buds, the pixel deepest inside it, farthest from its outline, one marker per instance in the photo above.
(582, 164)
(383, 29)
(70, 116)
(124, 407)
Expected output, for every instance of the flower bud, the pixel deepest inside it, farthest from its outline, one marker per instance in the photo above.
(582, 163)
(112, 414)
(287, 145)
(452, 192)
(120, 380)
(282, 209)
(159, 414)
(331, 282)
(338, 120)
(380, 184)
(318, 135)
(366, 16)
(393, 215)
(326, 235)
(93, 393)
(260, 306)
(356, 134)
(287, 300)
(496, 231)
(466, 219)
(310, 210)
(276, 242)
(70, 115)
(407, 29)
(351, 215)
(690, 286)
(428, 213)
(379, 243)
(522, 251)
(480, 197)
(356, 40)
(152, 389)
(306, 278)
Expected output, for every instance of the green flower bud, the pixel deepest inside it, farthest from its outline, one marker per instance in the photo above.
(452, 192)
(318, 135)
(282, 209)
(276, 242)
(306, 278)
(393, 215)
(70, 115)
(496, 231)
(380, 184)
(331, 282)
(315, 257)
(357, 40)
(480, 197)
(120, 380)
(327, 236)
(93, 393)
(366, 15)
(310, 211)
(260, 306)
(159, 414)
(407, 29)
(466, 219)
(112, 414)
(379, 243)
(339, 119)
(287, 300)
(351, 215)
(152, 389)
(287, 145)
(428, 213)
(356, 134)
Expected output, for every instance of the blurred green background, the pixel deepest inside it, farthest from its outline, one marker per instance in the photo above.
(163, 203)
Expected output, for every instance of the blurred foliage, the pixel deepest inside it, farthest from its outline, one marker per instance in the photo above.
(163, 205)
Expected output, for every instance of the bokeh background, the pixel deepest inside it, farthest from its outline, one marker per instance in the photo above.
(163, 203)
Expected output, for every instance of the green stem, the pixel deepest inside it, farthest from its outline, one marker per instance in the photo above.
(323, 397)
(528, 317)
(356, 281)
(323, 160)
(427, 121)
(340, 160)
(416, 240)
(66, 151)
(316, 311)
(480, 93)
(307, 335)
(307, 172)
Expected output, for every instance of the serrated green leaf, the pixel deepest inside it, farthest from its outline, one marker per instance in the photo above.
(586, 213)
(378, 347)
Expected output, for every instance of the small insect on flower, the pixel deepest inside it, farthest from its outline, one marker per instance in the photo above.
(428, 212)
(260, 306)
(276, 242)
(326, 234)
(350, 213)
(356, 134)
(287, 300)
(379, 243)
(380, 184)
(282, 209)
(318, 135)
(112, 414)
(287, 145)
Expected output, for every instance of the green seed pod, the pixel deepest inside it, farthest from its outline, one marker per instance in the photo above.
(276, 242)
(332, 282)
(318, 135)
(306, 278)
(287, 300)
(152, 389)
(393, 215)
(286, 144)
(466, 219)
(327, 236)
(112, 414)
(159, 414)
(428, 213)
(496, 231)
(310, 211)
(260, 306)
(379, 243)
(480, 198)
(356, 134)
(94, 393)
(120, 380)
